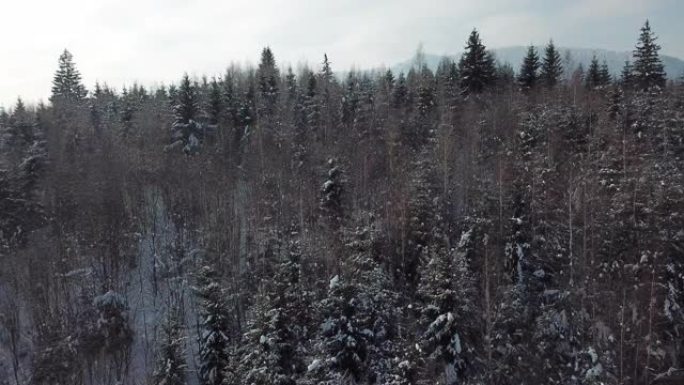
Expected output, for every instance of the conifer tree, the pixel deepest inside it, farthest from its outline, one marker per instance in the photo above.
(604, 74)
(426, 101)
(127, 111)
(186, 131)
(648, 68)
(447, 289)
(400, 94)
(291, 85)
(344, 345)
(528, 70)
(476, 66)
(551, 67)
(214, 339)
(214, 105)
(627, 75)
(247, 107)
(350, 101)
(312, 109)
(326, 71)
(268, 77)
(275, 341)
(171, 366)
(66, 84)
(331, 200)
(593, 77)
(505, 76)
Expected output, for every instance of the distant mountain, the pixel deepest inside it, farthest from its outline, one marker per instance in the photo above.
(514, 56)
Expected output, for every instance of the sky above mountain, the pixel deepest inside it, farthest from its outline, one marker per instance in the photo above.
(154, 41)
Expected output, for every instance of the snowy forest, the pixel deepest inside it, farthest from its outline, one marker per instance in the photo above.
(485, 223)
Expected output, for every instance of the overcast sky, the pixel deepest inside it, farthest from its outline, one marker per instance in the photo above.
(155, 41)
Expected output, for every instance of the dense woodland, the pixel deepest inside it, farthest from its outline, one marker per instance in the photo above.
(478, 224)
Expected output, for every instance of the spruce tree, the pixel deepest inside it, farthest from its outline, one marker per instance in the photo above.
(627, 75)
(186, 131)
(604, 75)
(350, 101)
(648, 68)
(400, 94)
(275, 340)
(426, 101)
(552, 67)
(215, 329)
(527, 78)
(312, 108)
(505, 77)
(66, 84)
(476, 66)
(447, 290)
(326, 71)
(171, 366)
(268, 77)
(214, 105)
(593, 77)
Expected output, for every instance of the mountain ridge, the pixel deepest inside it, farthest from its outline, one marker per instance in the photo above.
(513, 55)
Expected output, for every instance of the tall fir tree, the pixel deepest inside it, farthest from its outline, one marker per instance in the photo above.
(476, 66)
(171, 366)
(66, 84)
(186, 131)
(627, 75)
(552, 66)
(648, 68)
(604, 74)
(275, 341)
(447, 290)
(528, 76)
(269, 78)
(215, 329)
(593, 78)
(214, 104)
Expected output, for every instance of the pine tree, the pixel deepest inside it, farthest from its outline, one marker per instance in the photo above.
(476, 66)
(214, 105)
(552, 67)
(186, 130)
(326, 71)
(214, 339)
(528, 70)
(275, 340)
(400, 94)
(171, 366)
(648, 68)
(350, 101)
(268, 77)
(447, 290)
(379, 306)
(505, 77)
(452, 85)
(344, 345)
(388, 82)
(127, 110)
(312, 109)
(331, 200)
(604, 75)
(426, 101)
(246, 107)
(423, 217)
(66, 84)
(593, 77)
(627, 75)
(19, 113)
